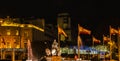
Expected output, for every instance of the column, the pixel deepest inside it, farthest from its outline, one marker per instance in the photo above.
(13, 55)
(3, 56)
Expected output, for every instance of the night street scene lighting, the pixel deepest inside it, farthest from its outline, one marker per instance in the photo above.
(59, 30)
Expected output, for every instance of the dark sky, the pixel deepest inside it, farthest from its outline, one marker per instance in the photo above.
(94, 15)
(47, 8)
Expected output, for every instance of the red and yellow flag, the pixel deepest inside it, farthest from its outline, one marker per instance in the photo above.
(61, 31)
(106, 39)
(112, 43)
(113, 31)
(82, 30)
(96, 40)
(118, 31)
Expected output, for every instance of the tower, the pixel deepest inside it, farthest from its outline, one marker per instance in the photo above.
(64, 21)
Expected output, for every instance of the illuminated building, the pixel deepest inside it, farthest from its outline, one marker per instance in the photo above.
(14, 36)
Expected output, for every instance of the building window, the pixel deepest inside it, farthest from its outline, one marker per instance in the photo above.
(62, 38)
(26, 34)
(25, 45)
(65, 20)
(65, 25)
(8, 45)
(25, 41)
(17, 32)
(8, 32)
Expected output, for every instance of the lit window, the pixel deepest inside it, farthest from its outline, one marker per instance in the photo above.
(62, 38)
(8, 32)
(17, 32)
(25, 45)
(17, 46)
(8, 45)
(65, 25)
(65, 20)
(26, 34)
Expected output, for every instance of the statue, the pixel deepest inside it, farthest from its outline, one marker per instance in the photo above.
(55, 48)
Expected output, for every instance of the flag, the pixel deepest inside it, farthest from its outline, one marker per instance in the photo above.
(106, 39)
(113, 31)
(82, 30)
(112, 44)
(61, 31)
(119, 31)
(79, 41)
(96, 40)
(30, 54)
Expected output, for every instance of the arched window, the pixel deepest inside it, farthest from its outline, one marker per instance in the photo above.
(17, 32)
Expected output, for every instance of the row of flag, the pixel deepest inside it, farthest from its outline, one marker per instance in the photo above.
(82, 30)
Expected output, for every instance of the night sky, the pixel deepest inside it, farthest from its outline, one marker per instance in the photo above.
(93, 15)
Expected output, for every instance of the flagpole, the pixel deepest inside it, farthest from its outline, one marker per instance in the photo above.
(58, 39)
(103, 40)
(118, 43)
(92, 41)
(80, 31)
(110, 45)
(104, 46)
(78, 43)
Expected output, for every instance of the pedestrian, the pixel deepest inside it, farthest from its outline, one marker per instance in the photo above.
(75, 57)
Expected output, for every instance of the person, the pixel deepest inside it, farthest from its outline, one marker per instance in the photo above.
(74, 50)
(48, 52)
(75, 57)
